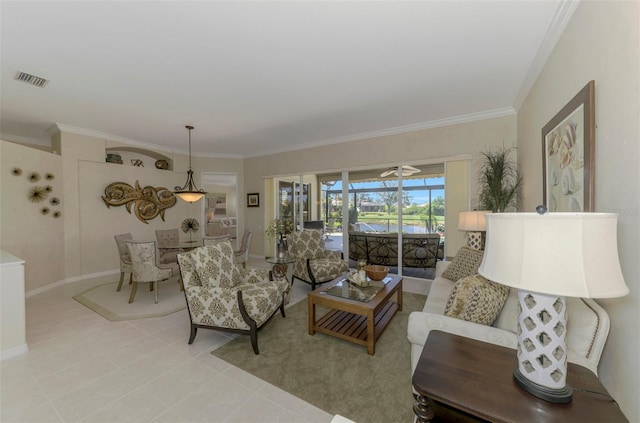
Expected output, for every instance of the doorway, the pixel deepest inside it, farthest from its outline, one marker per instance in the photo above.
(220, 206)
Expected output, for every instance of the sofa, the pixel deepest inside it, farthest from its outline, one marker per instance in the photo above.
(587, 324)
(222, 226)
(418, 250)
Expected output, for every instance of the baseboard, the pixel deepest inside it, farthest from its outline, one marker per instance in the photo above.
(14, 352)
(70, 280)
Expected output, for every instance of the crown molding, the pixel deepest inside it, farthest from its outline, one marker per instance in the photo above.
(60, 127)
(25, 140)
(455, 120)
(561, 19)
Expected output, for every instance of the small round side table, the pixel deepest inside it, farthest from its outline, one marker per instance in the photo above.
(280, 267)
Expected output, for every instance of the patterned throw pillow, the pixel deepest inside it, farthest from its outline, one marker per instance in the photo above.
(465, 263)
(476, 299)
(216, 266)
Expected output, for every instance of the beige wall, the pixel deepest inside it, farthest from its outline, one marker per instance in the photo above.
(80, 243)
(425, 146)
(600, 43)
(24, 231)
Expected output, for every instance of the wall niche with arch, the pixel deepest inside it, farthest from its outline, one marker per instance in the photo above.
(140, 157)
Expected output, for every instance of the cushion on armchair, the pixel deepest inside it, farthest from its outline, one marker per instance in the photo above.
(476, 299)
(309, 245)
(327, 268)
(465, 263)
(215, 265)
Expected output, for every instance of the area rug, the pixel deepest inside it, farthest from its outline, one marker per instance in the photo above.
(334, 375)
(114, 306)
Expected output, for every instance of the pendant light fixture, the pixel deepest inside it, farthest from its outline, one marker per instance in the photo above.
(189, 192)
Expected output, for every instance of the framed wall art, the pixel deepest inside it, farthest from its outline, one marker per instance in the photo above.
(253, 200)
(568, 149)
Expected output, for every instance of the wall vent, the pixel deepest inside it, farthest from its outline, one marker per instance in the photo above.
(31, 79)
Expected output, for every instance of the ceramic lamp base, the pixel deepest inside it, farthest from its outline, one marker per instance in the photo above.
(474, 240)
(558, 396)
(542, 348)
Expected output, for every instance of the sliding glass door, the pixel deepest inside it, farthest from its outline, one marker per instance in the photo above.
(395, 218)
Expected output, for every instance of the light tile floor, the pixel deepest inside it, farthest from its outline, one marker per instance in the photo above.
(81, 367)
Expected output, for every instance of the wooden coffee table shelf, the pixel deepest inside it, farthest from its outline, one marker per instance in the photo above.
(359, 322)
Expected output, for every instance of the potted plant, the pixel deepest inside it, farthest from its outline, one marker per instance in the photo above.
(499, 182)
(279, 226)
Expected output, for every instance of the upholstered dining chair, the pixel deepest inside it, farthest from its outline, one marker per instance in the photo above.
(125, 258)
(145, 269)
(314, 263)
(224, 297)
(167, 238)
(242, 254)
(213, 240)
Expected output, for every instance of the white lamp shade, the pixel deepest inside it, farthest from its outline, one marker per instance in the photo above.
(568, 254)
(190, 196)
(473, 221)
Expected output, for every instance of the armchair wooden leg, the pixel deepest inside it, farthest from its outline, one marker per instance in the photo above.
(192, 336)
(120, 282)
(134, 288)
(282, 309)
(130, 278)
(155, 287)
(254, 340)
(253, 327)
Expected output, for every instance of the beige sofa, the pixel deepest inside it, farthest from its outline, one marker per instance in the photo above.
(587, 324)
(222, 226)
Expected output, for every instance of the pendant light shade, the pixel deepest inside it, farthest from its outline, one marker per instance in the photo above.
(189, 192)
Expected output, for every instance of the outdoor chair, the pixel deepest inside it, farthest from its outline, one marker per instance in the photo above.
(314, 264)
(125, 258)
(221, 296)
(242, 254)
(166, 239)
(145, 269)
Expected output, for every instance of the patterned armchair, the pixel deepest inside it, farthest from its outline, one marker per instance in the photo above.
(314, 264)
(222, 296)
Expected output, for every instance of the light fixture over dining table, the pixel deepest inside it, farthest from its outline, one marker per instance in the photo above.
(189, 192)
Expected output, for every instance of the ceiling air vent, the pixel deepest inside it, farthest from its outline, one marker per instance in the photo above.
(31, 79)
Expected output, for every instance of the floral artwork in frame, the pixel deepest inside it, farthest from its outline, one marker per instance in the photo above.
(253, 200)
(568, 147)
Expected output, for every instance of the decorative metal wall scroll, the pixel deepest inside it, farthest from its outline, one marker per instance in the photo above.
(147, 202)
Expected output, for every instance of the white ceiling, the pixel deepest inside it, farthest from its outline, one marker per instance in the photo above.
(262, 77)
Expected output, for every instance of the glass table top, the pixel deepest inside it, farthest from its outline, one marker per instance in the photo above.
(281, 260)
(351, 291)
(194, 243)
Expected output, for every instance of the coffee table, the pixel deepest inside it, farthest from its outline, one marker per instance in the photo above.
(357, 315)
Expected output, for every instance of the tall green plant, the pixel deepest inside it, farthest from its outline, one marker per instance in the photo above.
(500, 183)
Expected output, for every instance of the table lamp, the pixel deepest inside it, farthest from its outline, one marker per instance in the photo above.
(474, 223)
(550, 256)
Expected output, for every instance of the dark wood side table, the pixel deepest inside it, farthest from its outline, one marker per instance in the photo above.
(279, 269)
(461, 379)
